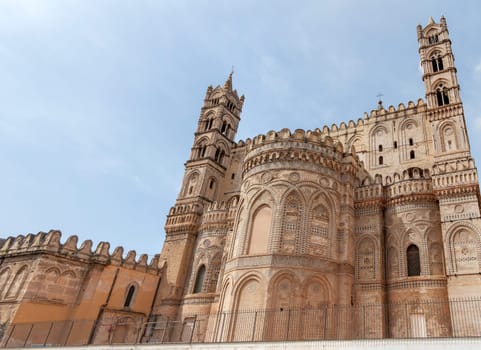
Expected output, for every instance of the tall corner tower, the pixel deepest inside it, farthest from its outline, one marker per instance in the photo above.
(455, 178)
(437, 62)
(204, 172)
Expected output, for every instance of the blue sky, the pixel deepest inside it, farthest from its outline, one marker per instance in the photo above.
(99, 99)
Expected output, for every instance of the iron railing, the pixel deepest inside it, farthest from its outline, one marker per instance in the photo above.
(435, 319)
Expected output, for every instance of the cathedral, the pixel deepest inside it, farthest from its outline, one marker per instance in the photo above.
(366, 229)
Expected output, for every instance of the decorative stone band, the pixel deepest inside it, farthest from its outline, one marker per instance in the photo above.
(324, 264)
(418, 282)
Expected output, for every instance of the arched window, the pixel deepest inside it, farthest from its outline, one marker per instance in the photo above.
(413, 261)
(380, 148)
(411, 142)
(199, 280)
(129, 296)
(219, 155)
(211, 183)
(202, 149)
(225, 128)
(412, 155)
(442, 95)
(437, 62)
(208, 124)
(381, 160)
(433, 39)
(395, 144)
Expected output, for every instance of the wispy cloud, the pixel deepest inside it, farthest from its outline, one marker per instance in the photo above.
(477, 123)
(477, 68)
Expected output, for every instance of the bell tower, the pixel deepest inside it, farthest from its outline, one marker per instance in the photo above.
(454, 174)
(216, 129)
(437, 62)
(204, 171)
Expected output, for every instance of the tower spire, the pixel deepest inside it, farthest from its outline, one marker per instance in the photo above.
(228, 82)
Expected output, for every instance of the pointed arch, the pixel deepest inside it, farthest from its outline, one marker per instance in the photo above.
(448, 137)
(321, 225)
(292, 210)
(249, 295)
(17, 283)
(4, 277)
(378, 137)
(442, 93)
(130, 293)
(191, 183)
(260, 230)
(463, 245)
(200, 148)
(316, 292)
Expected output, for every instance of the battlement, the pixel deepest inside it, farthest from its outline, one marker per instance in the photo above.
(314, 137)
(49, 243)
(319, 135)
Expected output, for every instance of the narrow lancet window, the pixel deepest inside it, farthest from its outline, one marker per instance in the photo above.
(413, 261)
(199, 280)
(129, 297)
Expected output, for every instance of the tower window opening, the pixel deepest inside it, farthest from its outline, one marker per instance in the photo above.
(449, 144)
(208, 124)
(211, 183)
(199, 280)
(190, 189)
(395, 144)
(129, 297)
(442, 96)
(232, 176)
(433, 39)
(202, 151)
(381, 160)
(223, 129)
(437, 63)
(411, 142)
(412, 155)
(380, 148)
(413, 261)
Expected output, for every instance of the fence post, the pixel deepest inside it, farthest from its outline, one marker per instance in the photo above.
(28, 335)
(193, 328)
(9, 335)
(254, 326)
(288, 324)
(48, 334)
(165, 329)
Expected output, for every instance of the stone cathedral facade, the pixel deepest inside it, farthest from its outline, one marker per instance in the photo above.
(382, 213)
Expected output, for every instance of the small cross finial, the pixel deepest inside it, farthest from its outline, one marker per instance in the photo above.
(379, 103)
(232, 70)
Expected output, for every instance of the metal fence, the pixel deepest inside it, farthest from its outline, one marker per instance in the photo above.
(456, 318)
